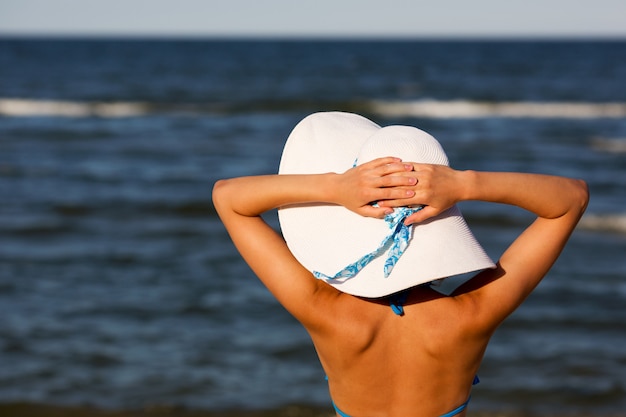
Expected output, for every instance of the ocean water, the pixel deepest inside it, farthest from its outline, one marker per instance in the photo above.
(119, 287)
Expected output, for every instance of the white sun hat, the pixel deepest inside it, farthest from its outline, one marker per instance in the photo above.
(327, 238)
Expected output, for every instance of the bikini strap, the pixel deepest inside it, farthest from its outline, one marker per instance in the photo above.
(458, 409)
(341, 413)
(396, 302)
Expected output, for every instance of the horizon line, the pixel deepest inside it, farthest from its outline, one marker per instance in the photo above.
(307, 37)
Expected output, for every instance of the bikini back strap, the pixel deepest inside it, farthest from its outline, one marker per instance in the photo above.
(457, 410)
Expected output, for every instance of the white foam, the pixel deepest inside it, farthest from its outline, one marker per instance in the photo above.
(609, 145)
(459, 109)
(615, 223)
(24, 108)
(477, 109)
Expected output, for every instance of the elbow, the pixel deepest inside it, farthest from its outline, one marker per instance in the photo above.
(219, 194)
(218, 188)
(580, 196)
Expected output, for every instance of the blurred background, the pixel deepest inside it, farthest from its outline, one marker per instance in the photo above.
(119, 287)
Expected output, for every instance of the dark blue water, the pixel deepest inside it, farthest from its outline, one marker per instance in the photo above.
(120, 288)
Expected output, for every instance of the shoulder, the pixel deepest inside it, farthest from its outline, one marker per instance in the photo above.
(343, 321)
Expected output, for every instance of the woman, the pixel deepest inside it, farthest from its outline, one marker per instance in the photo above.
(340, 176)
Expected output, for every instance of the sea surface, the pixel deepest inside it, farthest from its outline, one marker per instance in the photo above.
(119, 287)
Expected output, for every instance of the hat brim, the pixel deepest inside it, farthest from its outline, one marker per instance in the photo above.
(326, 238)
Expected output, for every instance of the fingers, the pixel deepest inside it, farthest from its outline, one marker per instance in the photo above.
(422, 215)
(393, 183)
(396, 180)
(383, 195)
(381, 161)
(391, 172)
(399, 198)
(417, 217)
(386, 178)
(386, 166)
(377, 212)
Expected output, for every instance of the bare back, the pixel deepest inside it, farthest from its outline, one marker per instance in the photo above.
(421, 363)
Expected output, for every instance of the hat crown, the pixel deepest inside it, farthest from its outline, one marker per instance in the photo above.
(405, 142)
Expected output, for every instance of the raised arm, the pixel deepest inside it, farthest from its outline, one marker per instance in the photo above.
(241, 201)
(557, 202)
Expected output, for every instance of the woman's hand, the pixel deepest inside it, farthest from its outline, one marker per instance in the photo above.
(372, 182)
(438, 188)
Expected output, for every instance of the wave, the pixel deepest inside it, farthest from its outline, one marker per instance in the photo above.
(609, 145)
(25, 108)
(466, 109)
(613, 223)
(441, 109)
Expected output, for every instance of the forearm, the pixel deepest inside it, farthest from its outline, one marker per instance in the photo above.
(546, 196)
(354, 189)
(439, 187)
(252, 196)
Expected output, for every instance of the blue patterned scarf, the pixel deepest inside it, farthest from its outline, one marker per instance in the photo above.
(394, 244)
